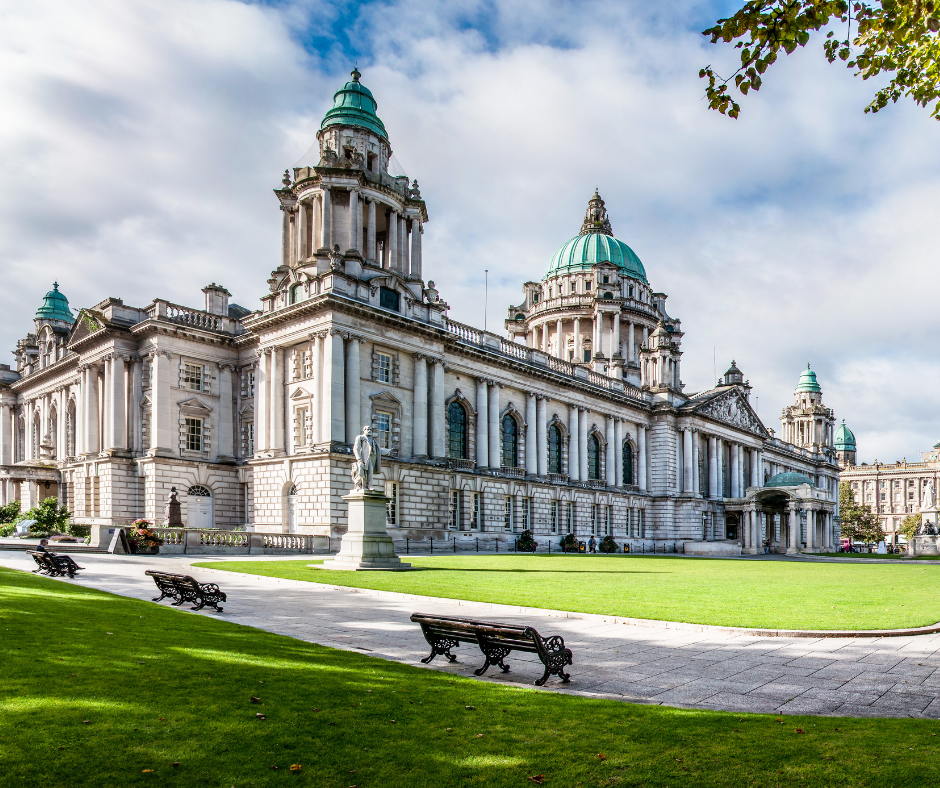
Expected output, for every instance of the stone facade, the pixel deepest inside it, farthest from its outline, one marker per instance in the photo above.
(576, 421)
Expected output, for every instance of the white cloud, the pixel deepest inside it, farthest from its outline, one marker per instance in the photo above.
(142, 139)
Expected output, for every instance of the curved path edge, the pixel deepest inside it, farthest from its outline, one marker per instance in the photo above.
(649, 623)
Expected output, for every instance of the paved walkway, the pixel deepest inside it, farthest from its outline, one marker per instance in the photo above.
(858, 677)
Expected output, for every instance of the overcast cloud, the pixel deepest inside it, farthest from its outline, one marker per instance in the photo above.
(140, 140)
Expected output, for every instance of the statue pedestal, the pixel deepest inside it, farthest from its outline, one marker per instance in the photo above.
(366, 545)
(926, 541)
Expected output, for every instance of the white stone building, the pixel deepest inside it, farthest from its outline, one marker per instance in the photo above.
(577, 422)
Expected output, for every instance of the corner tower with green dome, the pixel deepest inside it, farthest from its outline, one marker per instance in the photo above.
(595, 307)
(348, 207)
(808, 423)
(845, 445)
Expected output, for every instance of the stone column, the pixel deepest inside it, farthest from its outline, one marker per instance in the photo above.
(354, 220)
(615, 334)
(751, 522)
(755, 471)
(712, 467)
(391, 241)
(696, 484)
(226, 413)
(370, 234)
(542, 434)
(6, 435)
(483, 451)
(316, 408)
(574, 466)
(303, 237)
(641, 457)
(735, 474)
(420, 406)
(416, 252)
(793, 542)
(582, 443)
(493, 408)
(687, 486)
(611, 459)
(578, 355)
(560, 348)
(118, 413)
(810, 529)
(531, 436)
(405, 256)
(333, 397)
(353, 401)
(631, 340)
(285, 237)
(262, 400)
(618, 452)
(326, 221)
(162, 425)
(437, 408)
(276, 409)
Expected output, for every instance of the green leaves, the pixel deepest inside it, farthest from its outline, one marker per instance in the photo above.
(892, 37)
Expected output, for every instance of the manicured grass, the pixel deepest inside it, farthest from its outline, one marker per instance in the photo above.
(96, 690)
(775, 594)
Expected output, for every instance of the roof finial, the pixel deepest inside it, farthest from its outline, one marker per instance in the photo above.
(355, 73)
(55, 286)
(595, 217)
(286, 180)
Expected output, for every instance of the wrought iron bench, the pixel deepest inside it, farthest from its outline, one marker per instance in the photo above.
(184, 588)
(496, 641)
(54, 565)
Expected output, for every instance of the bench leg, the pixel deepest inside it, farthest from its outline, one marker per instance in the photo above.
(441, 646)
(555, 665)
(494, 656)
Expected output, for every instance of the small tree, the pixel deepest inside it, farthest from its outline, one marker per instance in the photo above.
(9, 512)
(909, 526)
(50, 518)
(859, 522)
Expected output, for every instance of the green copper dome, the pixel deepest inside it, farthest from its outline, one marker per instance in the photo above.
(845, 440)
(353, 105)
(595, 244)
(808, 381)
(55, 306)
(788, 479)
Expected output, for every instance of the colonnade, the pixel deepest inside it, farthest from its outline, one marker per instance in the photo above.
(325, 219)
(758, 524)
(692, 443)
(605, 326)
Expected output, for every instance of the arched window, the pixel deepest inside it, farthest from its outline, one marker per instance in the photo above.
(297, 293)
(594, 458)
(199, 491)
(456, 431)
(554, 449)
(627, 464)
(510, 442)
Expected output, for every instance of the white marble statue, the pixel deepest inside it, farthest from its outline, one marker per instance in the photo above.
(368, 460)
(929, 499)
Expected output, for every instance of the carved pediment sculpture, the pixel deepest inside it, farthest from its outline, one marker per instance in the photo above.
(733, 409)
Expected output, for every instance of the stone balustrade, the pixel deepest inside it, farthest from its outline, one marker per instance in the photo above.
(194, 541)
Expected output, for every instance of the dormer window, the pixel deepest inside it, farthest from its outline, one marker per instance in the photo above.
(389, 299)
(605, 279)
(372, 162)
(535, 297)
(587, 285)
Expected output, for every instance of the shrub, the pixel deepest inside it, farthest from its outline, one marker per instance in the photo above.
(142, 537)
(78, 530)
(50, 518)
(568, 544)
(526, 543)
(7, 529)
(9, 512)
(608, 545)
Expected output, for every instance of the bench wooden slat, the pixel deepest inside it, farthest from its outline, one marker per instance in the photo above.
(184, 588)
(496, 641)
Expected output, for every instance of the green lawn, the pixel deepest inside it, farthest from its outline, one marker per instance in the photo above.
(99, 690)
(785, 594)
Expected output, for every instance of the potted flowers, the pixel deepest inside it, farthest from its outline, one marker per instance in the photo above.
(142, 537)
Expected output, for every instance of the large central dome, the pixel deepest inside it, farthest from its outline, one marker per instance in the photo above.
(595, 244)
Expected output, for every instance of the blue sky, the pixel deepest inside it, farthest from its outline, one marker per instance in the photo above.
(141, 141)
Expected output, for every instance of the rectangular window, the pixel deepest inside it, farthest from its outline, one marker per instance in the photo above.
(569, 517)
(607, 529)
(507, 513)
(389, 299)
(193, 434)
(525, 514)
(192, 377)
(251, 384)
(391, 508)
(554, 516)
(475, 513)
(250, 438)
(883, 496)
(631, 291)
(455, 510)
(587, 285)
(383, 429)
(383, 368)
(306, 364)
(587, 355)
(303, 426)
(593, 518)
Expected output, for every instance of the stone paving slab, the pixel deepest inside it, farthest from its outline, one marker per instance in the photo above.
(705, 668)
